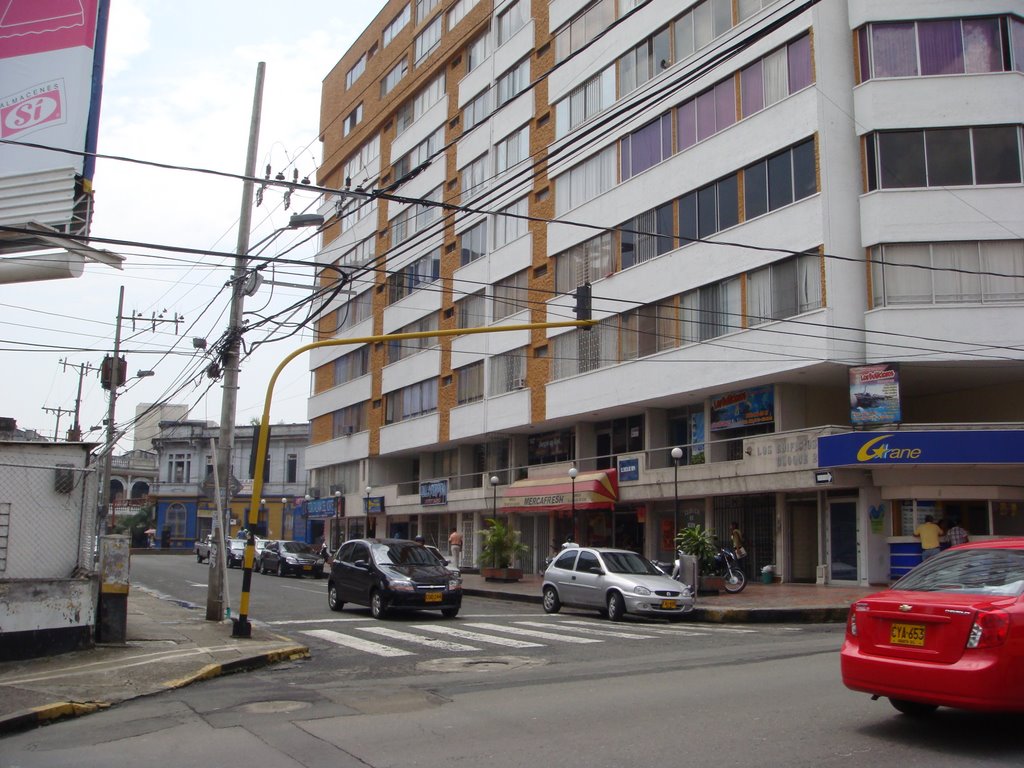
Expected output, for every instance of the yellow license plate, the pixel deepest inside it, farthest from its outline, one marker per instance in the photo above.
(307, 567)
(668, 604)
(907, 634)
(433, 597)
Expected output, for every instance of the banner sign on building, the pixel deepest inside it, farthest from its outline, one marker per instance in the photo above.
(982, 446)
(743, 408)
(629, 468)
(433, 493)
(374, 505)
(875, 395)
(321, 508)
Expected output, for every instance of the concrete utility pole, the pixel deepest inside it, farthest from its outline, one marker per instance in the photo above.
(229, 400)
(60, 412)
(115, 382)
(75, 433)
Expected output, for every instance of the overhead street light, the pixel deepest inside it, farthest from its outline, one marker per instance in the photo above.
(677, 454)
(575, 532)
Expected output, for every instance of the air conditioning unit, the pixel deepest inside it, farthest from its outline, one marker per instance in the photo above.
(519, 383)
(339, 488)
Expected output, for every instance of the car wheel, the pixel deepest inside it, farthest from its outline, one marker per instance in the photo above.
(449, 613)
(616, 607)
(913, 708)
(280, 568)
(551, 602)
(377, 607)
(333, 598)
(199, 558)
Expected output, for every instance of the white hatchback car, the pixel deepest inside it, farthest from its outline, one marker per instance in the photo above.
(614, 582)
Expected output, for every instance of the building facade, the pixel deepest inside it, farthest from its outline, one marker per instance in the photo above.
(185, 494)
(800, 221)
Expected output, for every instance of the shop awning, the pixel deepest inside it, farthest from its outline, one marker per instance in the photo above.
(594, 490)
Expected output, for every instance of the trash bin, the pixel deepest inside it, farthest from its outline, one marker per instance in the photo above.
(766, 577)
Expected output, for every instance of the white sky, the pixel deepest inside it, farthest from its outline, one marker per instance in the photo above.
(178, 89)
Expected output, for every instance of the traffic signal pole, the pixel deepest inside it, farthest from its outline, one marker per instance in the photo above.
(241, 626)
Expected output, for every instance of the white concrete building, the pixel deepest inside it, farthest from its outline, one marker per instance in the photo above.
(767, 198)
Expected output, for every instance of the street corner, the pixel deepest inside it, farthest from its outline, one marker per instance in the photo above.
(33, 717)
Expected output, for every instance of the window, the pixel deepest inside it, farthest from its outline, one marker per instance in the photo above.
(779, 180)
(176, 518)
(352, 365)
(510, 223)
(585, 181)
(646, 147)
(470, 383)
(937, 157)
(937, 47)
(428, 40)
(510, 296)
(348, 420)
(710, 311)
(472, 310)
(640, 328)
(414, 109)
(512, 150)
(423, 9)
(784, 289)
(291, 472)
(645, 61)
(584, 102)
(357, 166)
(648, 235)
(584, 28)
(354, 211)
(985, 272)
(392, 78)
(357, 69)
(477, 110)
(710, 209)
(396, 25)
(770, 79)
(473, 243)
(422, 272)
(354, 118)
(507, 372)
(179, 467)
(354, 311)
(510, 21)
(513, 82)
(415, 218)
(421, 153)
(477, 52)
(584, 263)
(458, 11)
(399, 349)
(474, 177)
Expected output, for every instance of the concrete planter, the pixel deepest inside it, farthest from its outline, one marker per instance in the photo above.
(501, 574)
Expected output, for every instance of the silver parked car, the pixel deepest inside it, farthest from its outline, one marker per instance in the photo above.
(614, 582)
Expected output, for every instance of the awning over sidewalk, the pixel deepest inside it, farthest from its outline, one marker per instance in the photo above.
(594, 490)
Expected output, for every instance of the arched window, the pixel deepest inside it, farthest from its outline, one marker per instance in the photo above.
(176, 519)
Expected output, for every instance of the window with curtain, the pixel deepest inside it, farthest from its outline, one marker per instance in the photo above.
(585, 181)
(511, 20)
(470, 383)
(509, 223)
(585, 262)
(399, 349)
(510, 296)
(346, 421)
(474, 177)
(477, 110)
(784, 289)
(393, 78)
(419, 154)
(507, 372)
(354, 311)
(428, 40)
(646, 146)
(645, 61)
(352, 366)
(645, 236)
(477, 52)
(710, 311)
(422, 272)
(408, 402)
(471, 312)
(987, 271)
(584, 102)
(473, 243)
(511, 150)
(458, 11)
(512, 82)
(416, 107)
(583, 28)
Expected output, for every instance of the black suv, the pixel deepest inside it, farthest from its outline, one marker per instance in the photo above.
(387, 574)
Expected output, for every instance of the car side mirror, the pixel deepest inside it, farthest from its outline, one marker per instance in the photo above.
(361, 564)
(596, 569)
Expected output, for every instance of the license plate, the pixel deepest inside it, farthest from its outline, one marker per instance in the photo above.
(307, 567)
(668, 605)
(433, 597)
(907, 634)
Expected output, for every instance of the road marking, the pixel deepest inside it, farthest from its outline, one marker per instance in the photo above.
(533, 633)
(356, 643)
(476, 636)
(394, 634)
(590, 631)
(652, 630)
(342, 619)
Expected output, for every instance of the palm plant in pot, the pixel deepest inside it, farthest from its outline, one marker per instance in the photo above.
(699, 542)
(500, 546)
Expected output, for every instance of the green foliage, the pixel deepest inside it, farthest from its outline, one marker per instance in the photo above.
(700, 543)
(500, 545)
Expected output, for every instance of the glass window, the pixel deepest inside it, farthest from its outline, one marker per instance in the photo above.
(800, 66)
(894, 49)
(646, 147)
(755, 189)
(510, 21)
(901, 159)
(941, 47)
(805, 176)
(949, 157)
(752, 89)
(474, 243)
(428, 40)
(982, 45)
(997, 155)
(397, 24)
(476, 52)
(510, 223)
(780, 180)
(470, 383)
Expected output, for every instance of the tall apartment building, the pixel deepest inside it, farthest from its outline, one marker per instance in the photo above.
(802, 225)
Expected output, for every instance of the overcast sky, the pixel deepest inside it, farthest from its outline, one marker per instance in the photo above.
(178, 89)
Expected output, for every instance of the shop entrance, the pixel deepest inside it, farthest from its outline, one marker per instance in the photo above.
(803, 541)
(843, 549)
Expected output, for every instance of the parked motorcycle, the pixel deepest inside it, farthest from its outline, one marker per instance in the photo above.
(724, 564)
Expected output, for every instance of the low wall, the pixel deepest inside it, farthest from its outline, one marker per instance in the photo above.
(45, 617)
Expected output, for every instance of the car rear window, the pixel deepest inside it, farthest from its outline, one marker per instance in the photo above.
(628, 562)
(978, 571)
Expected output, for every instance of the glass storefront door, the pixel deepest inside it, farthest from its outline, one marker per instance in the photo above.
(843, 550)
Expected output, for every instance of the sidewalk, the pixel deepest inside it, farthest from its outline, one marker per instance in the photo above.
(170, 645)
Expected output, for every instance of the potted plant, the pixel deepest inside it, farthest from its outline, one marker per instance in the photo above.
(699, 542)
(499, 548)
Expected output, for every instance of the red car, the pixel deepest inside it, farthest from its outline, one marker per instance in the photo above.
(948, 634)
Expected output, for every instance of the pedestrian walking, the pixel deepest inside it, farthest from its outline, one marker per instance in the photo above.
(455, 547)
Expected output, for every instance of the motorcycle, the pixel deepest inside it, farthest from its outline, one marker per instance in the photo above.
(725, 564)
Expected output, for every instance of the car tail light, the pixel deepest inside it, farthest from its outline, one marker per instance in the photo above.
(990, 629)
(851, 619)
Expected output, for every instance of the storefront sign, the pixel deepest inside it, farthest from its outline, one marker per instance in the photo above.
(875, 395)
(743, 409)
(629, 468)
(320, 508)
(434, 492)
(374, 505)
(941, 447)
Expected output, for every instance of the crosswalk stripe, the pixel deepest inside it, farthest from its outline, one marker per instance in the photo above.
(508, 642)
(356, 643)
(395, 634)
(533, 633)
(653, 630)
(591, 631)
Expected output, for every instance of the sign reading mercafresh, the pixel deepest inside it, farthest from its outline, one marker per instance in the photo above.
(939, 447)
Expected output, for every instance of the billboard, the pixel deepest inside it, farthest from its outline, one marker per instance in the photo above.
(875, 394)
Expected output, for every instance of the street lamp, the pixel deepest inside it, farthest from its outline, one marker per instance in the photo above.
(494, 495)
(337, 519)
(284, 513)
(572, 477)
(366, 510)
(677, 454)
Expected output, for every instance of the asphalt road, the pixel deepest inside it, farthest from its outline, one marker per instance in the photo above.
(637, 694)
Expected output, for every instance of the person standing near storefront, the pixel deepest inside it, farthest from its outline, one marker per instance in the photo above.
(455, 546)
(929, 533)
